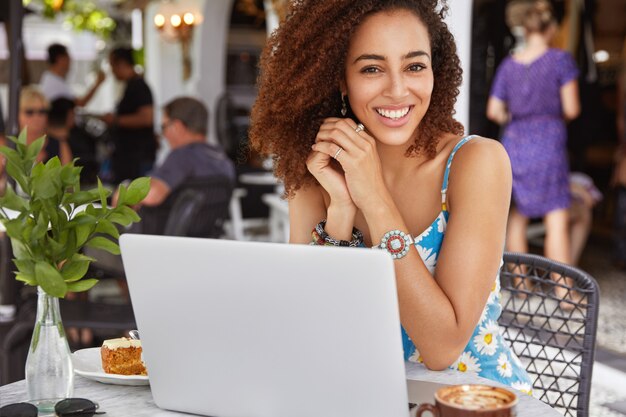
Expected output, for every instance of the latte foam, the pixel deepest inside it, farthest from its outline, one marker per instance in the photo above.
(476, 397)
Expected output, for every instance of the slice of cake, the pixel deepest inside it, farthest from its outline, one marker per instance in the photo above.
(122, 356)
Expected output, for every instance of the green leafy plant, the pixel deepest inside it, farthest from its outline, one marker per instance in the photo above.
(56, 219)
(81, 15)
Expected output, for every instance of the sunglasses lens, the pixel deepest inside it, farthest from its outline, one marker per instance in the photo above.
(75, 407)
(19, 410)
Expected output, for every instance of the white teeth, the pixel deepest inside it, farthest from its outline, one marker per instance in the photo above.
(393, 114)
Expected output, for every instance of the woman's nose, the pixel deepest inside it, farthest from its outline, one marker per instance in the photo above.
(397, 87)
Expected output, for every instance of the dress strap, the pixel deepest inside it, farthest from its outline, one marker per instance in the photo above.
(444, 186)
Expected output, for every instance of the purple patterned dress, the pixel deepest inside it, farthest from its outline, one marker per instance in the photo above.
(536, 137)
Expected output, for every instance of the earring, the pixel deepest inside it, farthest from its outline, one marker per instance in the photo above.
(344, 108)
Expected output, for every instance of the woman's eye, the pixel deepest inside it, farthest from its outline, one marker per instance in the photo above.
(416, 67)
(369, 70)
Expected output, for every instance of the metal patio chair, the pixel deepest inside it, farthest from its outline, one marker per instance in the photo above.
(553, 336)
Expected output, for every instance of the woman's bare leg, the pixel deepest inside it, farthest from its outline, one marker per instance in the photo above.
(516, 241)
(581, 218)
(557, 243)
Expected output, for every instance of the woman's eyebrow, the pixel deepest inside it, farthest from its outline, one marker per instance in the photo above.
(377, 57)
(414, 54)
(366, 57)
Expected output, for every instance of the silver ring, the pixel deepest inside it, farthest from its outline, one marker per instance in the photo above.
(338, 152)
(359, 128)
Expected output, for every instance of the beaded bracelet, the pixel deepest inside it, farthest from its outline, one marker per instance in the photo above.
(320, 237)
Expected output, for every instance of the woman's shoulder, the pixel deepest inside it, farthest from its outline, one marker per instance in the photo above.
(480, 167)
(560, 54)
(506, 61)
(475, 142)
(480, 153)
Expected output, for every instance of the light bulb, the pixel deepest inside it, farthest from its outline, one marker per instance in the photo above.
(189, 18)
(159, 20)
(175, 20)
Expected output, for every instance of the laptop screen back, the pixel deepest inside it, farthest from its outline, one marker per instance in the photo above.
(233, 329)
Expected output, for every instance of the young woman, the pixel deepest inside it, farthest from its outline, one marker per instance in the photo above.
(356, 103)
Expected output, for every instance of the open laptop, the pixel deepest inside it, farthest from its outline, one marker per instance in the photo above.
(248, 329)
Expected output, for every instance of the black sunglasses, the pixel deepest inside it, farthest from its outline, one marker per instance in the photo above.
(69, 407)
(31, 112)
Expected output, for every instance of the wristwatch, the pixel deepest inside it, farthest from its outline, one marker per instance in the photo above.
(396, 242)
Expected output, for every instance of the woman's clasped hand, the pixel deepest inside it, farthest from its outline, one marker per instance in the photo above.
(346, 163)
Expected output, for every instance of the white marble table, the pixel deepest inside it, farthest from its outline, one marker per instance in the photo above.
(124, 401)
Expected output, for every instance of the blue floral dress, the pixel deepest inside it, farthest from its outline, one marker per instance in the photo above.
(487, 353)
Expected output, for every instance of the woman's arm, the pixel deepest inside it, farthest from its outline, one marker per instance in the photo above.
(496, 111)
(440, 312)
(306, 209)
(570, 101)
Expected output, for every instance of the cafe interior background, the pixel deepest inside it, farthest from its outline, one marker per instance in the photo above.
(212, 52)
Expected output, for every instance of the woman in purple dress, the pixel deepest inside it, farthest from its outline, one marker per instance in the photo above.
(535, 92)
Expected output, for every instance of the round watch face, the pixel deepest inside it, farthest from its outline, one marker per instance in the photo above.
(397, 243)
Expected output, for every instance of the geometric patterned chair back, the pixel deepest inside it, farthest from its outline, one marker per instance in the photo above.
(549, 316)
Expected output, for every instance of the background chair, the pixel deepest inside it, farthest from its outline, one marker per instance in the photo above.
(15, 342)
(553, 336)
(197, 209)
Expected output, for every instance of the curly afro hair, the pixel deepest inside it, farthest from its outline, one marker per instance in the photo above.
(304, 62)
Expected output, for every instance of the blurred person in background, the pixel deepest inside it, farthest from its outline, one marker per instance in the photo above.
(53, 82)
(585, 195)
(535, 91)
(185, 126)
(33, 116)
(60, 122)
(132, 124)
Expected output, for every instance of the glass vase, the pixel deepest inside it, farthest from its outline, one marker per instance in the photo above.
(49, 369)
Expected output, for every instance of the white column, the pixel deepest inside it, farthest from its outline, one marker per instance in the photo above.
(460, 23)
(271, 17)
(212, 57)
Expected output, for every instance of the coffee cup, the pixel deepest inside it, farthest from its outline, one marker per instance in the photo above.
(471, 401)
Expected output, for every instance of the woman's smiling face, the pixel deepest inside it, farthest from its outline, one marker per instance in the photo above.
(389, 78)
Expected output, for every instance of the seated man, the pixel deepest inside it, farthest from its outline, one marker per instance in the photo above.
(185, 126)
(191, 160)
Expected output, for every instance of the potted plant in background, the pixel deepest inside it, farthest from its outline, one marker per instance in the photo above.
(49, 222)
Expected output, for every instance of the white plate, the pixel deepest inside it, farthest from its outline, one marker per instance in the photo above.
(88, 364)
